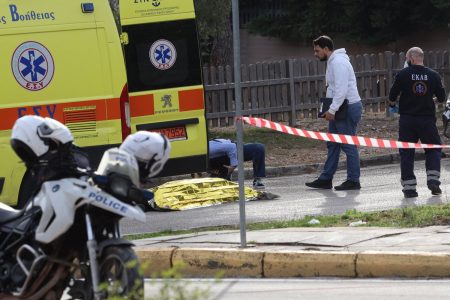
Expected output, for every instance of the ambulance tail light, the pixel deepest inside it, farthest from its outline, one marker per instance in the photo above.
(125, 112)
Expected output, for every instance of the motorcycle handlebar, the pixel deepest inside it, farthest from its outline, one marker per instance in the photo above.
(133, 193)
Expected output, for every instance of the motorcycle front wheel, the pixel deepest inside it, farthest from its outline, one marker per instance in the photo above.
(120, 273)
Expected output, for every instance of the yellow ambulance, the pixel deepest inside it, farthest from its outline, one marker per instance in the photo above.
(60, 59)
(162, 59)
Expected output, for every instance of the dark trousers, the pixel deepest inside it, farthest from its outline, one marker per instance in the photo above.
(412, 129)
(254, 152)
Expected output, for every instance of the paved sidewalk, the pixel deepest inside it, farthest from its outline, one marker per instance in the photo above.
(304, 252)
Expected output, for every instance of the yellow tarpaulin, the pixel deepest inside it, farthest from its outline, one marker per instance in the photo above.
(198, 192)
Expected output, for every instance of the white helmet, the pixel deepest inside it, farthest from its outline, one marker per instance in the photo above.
(151, 150)
(121, 162)
(53, 130)
(34, 136)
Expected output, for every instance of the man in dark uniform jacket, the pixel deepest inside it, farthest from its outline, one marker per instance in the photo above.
(417, 85)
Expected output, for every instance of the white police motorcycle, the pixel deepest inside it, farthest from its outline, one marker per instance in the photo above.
(67, 238)
(446, 117)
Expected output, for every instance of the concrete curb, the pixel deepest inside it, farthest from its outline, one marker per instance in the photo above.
(233, 263)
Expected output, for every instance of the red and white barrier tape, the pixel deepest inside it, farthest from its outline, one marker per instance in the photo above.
(338, 138)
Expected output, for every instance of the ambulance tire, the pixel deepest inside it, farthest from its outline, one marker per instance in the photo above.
(26, 190)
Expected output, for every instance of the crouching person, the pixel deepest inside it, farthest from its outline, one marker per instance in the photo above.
(223, 159)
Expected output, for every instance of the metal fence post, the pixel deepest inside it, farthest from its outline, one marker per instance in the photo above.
(239, 130)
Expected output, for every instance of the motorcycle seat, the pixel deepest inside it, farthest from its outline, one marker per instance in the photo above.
(7, 213)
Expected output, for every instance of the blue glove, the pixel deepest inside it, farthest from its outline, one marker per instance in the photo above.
(393, 109)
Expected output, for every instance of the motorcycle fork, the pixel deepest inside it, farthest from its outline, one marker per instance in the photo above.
(92, 250)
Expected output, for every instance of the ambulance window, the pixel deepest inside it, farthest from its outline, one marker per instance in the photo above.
(175, 52)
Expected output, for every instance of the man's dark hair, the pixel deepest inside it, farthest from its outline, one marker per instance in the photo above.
(324, 41)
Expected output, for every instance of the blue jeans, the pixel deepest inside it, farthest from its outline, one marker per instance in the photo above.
(347, 126)
(255, 152)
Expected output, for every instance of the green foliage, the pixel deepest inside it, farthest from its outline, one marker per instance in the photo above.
(374, 22)
(428, 215)
(114, 290)
(441, 4)
(173, 287)
(214, 29)
(212, 17)
(150, 235)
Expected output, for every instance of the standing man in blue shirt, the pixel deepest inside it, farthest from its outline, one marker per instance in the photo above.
(223, 159)
(341, 86)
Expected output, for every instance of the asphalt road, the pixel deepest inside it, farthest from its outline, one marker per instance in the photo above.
(380, 190)
(308, 289)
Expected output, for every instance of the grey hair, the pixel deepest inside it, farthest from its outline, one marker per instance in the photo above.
(415, 52)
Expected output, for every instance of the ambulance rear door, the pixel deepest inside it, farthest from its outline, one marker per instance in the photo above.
(164, 78)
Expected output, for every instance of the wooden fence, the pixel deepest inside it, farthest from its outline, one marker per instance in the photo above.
(287, 91)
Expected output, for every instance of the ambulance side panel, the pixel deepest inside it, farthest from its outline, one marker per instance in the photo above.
(65, 64)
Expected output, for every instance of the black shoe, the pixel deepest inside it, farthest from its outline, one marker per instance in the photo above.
(410, 193)
(348, 185)
(435, 189)
(320, 184)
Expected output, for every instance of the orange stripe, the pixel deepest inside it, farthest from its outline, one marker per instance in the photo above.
(112, 109)
(142, 105)
(191, 99)
(106, 109)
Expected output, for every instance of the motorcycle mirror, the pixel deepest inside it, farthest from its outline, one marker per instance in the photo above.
(148, 195)
(140, 196)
